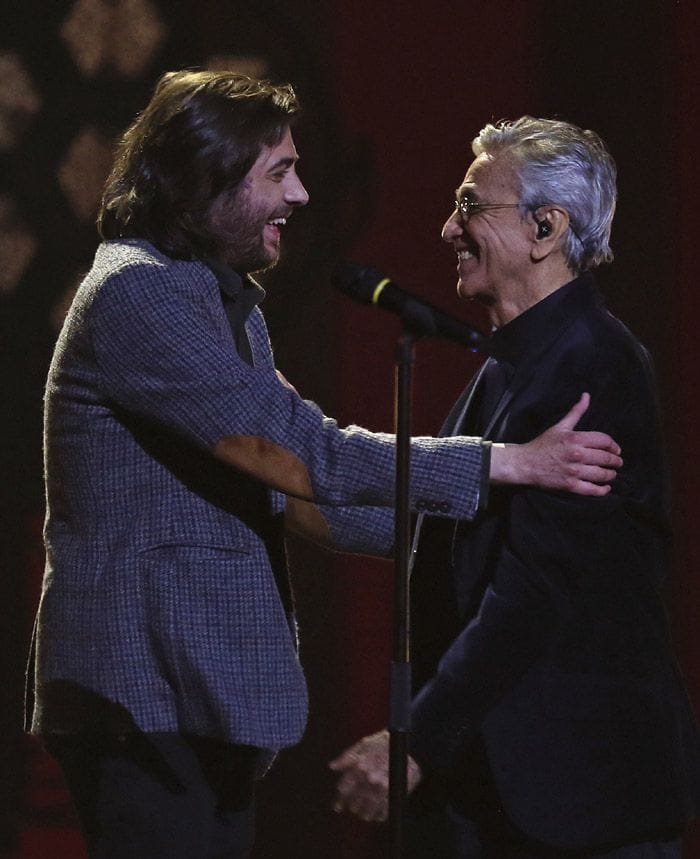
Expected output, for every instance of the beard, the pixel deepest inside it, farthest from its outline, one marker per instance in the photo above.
(237, 227)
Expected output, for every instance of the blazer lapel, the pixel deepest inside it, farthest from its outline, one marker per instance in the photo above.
(454, 420)
(497, 413)
(459, 411)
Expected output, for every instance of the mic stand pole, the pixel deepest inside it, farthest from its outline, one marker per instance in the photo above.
(400, 676)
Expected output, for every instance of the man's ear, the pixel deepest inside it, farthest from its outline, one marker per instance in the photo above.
(549, 225)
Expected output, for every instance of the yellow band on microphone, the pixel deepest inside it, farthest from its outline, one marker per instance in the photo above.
(378, 290)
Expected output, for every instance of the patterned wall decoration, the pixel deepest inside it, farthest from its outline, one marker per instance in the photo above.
(69, 73)
(82, 171)
(17, 245)
(19, 99)
(124, 36)
(19, 103)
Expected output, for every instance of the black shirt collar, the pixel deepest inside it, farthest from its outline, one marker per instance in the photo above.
(528, 333)
(243, 292)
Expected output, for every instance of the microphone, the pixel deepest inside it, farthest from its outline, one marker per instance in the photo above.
(368, 286)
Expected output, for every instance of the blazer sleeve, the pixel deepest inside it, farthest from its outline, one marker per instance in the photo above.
(161, 357)
(361, 530)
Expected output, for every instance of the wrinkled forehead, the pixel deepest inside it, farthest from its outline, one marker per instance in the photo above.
(490, 175)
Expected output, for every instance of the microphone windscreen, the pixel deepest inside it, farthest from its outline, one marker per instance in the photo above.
(356, 281)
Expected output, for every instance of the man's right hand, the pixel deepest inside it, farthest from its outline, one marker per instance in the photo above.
(560, 458)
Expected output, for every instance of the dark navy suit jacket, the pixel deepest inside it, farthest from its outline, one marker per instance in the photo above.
(552, 655)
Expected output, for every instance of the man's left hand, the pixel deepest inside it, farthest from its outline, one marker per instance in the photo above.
(363, 786)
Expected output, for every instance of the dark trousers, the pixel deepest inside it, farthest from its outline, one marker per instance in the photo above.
(147, 796)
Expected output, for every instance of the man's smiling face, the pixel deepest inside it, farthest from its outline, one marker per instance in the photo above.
(492, 245)
(248, 224)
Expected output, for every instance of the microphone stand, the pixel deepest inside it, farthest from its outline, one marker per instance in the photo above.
(400, 674)
(418, 317)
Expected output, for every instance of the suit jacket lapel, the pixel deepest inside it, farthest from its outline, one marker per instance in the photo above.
(497, 413)
(459, 411)
(452, 422)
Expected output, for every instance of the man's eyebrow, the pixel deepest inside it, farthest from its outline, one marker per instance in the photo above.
(463, 191)
(282, 162)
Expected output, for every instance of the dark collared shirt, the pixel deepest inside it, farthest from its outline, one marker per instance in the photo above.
(517, 342)
(239, 295)
(525, 335)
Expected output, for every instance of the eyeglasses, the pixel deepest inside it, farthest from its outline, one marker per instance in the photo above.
(468, 207)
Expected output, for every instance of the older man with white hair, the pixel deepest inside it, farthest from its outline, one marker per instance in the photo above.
(549, 719)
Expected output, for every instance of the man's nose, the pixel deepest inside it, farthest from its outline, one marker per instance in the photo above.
(452, 227)
(295, 193)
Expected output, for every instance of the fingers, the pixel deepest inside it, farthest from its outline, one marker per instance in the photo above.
(574, 415)
(344, 760)
(594, 475)
(376, 745)
(592, 449)
(364, 795)
(584, 479)
(598, 442)
(363, 786)
(585, 487)
(590, 439)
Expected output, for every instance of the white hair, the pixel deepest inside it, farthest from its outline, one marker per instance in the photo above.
(558, 163)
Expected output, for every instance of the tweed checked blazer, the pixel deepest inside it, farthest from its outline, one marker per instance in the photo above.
(160, 610)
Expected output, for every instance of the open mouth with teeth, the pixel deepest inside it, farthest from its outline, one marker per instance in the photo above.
(468, 250)
(274, 227)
